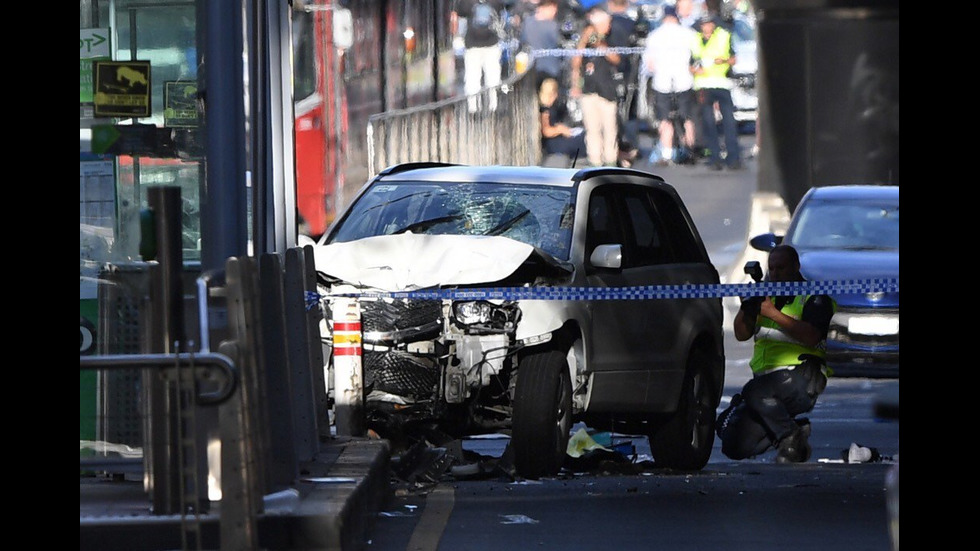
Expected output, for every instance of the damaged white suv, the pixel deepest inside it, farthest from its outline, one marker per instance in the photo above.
(506, 298)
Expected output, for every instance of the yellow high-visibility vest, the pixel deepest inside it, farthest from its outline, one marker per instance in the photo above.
(775, 348)
(718, 46)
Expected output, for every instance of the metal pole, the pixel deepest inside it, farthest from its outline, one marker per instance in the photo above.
(165, 203)
(224, 208)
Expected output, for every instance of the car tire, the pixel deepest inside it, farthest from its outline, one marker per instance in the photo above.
(542, 414)
(684, 441)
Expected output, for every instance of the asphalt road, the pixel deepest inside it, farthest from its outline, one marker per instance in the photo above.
(754, 504)
(749, 505)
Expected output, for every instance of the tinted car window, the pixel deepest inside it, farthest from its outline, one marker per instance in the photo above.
(655, 230)
(603, 226)
(647, 246)
(678, 232)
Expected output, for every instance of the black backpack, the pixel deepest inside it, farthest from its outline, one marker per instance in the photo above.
(485, 18)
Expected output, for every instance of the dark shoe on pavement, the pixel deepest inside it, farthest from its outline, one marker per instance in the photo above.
(716, 166)
(735, 166)
(795, 448)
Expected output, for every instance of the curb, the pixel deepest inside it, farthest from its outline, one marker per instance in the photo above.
(341, 504)
(769, 214)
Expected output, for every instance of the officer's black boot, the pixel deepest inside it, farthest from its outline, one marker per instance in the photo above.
(795, 448)
(725, 416)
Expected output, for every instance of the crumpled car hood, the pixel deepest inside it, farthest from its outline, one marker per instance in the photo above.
(404, 262)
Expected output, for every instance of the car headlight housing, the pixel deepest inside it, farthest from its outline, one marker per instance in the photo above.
(485, 315)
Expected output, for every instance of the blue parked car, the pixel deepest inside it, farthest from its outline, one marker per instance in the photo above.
(851, 232)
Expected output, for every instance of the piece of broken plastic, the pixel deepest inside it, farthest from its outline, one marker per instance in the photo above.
(581, 442)
(860, 454)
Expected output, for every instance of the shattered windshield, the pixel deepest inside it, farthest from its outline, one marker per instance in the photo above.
(540, 216)
(855, 226)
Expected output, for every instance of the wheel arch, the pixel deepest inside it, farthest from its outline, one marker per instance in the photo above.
(569, 338)
(712, 349)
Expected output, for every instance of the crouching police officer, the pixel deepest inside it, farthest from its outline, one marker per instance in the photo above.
(788, 368)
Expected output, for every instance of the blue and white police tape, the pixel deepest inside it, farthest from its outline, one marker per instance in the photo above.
(644, 292)
(584, 52)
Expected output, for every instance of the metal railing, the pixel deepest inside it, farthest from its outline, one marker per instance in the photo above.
(262, 396)
(497, 125)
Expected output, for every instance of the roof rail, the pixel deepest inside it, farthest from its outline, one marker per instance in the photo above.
(591, 172)
(395, 169)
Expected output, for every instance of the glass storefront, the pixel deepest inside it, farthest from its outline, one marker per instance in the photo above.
(138, 122)
(139, 127)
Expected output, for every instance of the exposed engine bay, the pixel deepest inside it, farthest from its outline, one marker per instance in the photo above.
(437, 362)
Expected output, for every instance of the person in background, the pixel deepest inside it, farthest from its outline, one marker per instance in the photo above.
(557, 137)
(715, 8)
(539, 32)
(788, 368)
(667, 57)
(593, 83)
(713, 59)
(688, 12)
(622, 34)
(481, 58)
(522, 10)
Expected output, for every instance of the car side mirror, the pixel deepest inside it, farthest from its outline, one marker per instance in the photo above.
(607, 256)
(766, 241)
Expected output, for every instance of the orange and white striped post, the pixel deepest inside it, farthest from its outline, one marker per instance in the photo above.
(348, 373)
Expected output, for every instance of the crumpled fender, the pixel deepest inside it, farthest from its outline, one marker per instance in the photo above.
(542, 317)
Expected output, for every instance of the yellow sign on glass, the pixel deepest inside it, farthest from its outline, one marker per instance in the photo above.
(122, 88)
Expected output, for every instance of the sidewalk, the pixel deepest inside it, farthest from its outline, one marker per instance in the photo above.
(329, 508)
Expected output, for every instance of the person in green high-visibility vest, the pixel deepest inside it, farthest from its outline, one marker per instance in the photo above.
(712, 60)
(788, 368)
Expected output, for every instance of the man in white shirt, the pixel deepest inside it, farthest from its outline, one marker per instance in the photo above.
(668, 58)
(481, 59)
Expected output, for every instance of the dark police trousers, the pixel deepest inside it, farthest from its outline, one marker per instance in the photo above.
(768, 408)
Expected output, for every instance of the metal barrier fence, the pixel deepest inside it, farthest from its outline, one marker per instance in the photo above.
(497, 125)
(200, 426)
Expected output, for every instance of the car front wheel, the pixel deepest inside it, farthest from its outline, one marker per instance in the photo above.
(542, 414)
(684, 441)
